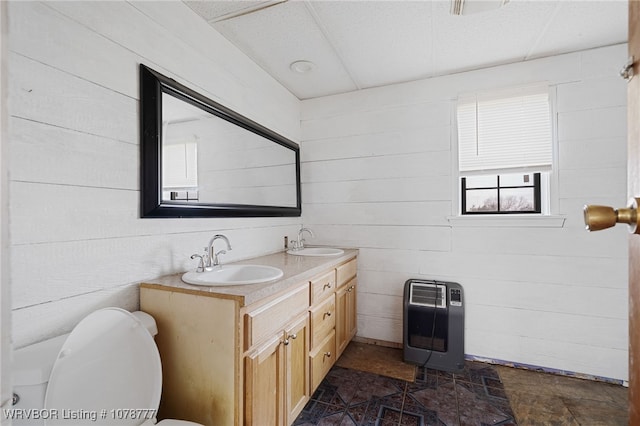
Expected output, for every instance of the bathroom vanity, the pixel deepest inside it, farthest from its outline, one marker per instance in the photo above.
(252, 354)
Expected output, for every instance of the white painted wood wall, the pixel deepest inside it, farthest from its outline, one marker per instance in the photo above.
(78, 243)
(6, 400)
(377, 175)
(376, 172)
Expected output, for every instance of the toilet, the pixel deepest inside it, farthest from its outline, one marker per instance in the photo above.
(107, 371)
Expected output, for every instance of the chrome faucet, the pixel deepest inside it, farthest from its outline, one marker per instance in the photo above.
(213, 255)
(299, 245)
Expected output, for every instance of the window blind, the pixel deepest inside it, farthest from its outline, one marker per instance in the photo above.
(180, 166)
(508, 129)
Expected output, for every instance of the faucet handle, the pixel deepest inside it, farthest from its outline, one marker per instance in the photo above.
(216, 261)
(201, 264)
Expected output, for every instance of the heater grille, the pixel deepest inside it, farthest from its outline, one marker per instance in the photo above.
(432, 295)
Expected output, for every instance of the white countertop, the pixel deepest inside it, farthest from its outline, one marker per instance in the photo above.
(296, 269)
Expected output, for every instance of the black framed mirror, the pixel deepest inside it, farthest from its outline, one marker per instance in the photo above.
(201, 159)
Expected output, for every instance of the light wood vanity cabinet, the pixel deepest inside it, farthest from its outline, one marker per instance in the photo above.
(227, 363)
(277, 377)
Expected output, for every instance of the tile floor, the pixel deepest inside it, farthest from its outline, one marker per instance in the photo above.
(482, 394)
(352, 397)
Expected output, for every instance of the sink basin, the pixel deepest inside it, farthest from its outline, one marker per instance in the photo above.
(317, 251)
(233, 275)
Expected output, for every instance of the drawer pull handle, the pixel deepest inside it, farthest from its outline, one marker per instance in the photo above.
(327, 354)
(326, 314)
(290, 336)
(350, 289)
(326, 286)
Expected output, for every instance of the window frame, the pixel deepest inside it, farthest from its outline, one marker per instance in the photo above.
(549, 217)
(537, 196)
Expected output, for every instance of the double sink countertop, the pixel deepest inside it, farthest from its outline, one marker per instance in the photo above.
(296, 269)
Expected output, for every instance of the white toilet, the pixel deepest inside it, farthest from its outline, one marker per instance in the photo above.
(106, 371)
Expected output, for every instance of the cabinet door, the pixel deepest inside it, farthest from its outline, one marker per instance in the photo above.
(352, 318)
(346, 320)
(296, 351)
(342, 338)
(264, 384)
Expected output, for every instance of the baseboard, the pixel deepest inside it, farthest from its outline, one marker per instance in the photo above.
(377, 342)
(548, 370)
(504, 363)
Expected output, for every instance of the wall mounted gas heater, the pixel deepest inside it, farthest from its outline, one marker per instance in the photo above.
(434, 324)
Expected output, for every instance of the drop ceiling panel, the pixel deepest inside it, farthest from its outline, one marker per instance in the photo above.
(580, 25)
(489, 38)
(380, 42)
(279, 35)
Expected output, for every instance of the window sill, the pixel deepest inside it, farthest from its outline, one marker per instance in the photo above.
(507, 221)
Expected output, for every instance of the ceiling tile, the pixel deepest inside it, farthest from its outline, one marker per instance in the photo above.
(484, 39)
(279, 35)
(380, 42)
(580, 25)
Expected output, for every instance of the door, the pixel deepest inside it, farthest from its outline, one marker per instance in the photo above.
(600, 217)
(633, 119)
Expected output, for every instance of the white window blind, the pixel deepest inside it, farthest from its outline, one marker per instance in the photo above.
(507, 129)
(180, 166)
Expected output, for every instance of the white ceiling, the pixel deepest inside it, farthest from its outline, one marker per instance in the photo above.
(361, 44)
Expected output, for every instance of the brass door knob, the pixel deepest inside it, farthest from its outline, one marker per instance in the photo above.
(597, 218)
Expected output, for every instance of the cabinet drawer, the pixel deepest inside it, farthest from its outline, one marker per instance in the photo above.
(323, 320)
(323, 286)
(268, 319)
(322, 360)
(346, 272)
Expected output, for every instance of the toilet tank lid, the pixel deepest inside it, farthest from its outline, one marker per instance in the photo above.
(32, 364)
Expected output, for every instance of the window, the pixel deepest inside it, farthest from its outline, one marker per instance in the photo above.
(514, 193)
(505, 151)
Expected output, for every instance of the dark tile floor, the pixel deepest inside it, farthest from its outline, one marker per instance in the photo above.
(352, 397)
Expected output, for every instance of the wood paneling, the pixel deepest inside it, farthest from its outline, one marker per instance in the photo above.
(74, 140)
(378, 173)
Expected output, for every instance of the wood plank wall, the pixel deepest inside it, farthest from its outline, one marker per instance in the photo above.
(378, 175)
(78, 243)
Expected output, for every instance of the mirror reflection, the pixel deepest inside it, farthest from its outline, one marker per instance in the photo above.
(210, 160)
